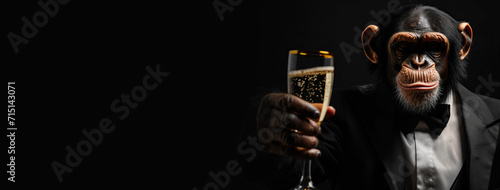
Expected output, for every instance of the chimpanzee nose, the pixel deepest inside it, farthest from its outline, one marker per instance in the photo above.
(418, 62)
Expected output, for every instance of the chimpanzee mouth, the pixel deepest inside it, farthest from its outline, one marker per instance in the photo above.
(412, 79)
(419, 85)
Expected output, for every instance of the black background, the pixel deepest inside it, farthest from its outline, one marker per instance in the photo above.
(90, 53)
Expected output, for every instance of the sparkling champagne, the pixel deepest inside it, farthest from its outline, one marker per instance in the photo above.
(313, 85)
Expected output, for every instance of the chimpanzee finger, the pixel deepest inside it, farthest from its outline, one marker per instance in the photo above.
(292, 151)
(302, 107)
(290, 103)
(292, 138)
(330, 111)
(302, 124)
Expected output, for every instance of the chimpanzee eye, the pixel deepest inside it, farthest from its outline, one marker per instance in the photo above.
(402, 49)
(435, 49)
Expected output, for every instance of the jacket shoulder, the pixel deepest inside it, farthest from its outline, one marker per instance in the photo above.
(486, 107)
(494, 106)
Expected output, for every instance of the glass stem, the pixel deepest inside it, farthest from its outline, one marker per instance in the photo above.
(306, 180)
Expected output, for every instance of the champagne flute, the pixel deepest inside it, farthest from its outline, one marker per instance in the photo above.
(310, 77)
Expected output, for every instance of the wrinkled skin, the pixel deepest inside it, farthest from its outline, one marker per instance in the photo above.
(293, 123)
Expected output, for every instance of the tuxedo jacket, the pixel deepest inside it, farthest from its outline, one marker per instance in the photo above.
(362, 149)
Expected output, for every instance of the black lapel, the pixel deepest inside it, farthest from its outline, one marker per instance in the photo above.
(378, 111)
(482, 138)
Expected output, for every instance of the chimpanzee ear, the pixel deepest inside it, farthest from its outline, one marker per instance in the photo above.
(368, 35)
(466, 32)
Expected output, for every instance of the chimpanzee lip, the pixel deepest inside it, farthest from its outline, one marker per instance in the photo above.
(419, 85)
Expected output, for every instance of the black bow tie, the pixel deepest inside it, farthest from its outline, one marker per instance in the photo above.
(436, 120)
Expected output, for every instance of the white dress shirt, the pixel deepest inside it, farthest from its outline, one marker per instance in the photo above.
(438, 160)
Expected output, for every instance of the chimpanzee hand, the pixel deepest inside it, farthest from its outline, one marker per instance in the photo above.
(293, 123)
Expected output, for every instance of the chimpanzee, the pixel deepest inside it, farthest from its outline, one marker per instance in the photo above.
(417, 127)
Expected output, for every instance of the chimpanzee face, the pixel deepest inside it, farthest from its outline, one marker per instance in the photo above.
(418, 64)
(417, 56)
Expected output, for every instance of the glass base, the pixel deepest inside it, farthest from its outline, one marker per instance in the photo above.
(306, 182)
(305, 188)
(305, 185)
